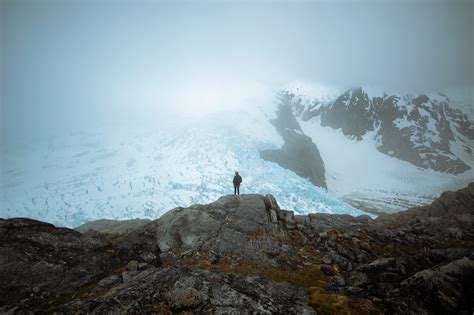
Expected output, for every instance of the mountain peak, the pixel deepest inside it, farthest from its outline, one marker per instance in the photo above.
(424, 130)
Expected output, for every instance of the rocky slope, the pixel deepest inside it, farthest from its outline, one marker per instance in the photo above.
(245, 254)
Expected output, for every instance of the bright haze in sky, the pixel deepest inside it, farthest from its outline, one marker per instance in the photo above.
(69, 65)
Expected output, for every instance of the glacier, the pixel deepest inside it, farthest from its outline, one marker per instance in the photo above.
(78, 177)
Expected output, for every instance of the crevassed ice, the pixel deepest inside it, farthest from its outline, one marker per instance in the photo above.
(78, 178)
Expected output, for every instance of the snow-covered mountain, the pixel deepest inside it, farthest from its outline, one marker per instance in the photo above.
(423, 130)
(387, 151)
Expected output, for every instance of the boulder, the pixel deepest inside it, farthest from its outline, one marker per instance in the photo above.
(442, 289)
(244, 225)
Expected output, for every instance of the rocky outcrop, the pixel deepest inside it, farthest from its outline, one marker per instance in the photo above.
(451, 213)
(246, 254)
(39, 259)
(43, 265)
(441, 289)
(227, 226)
(298, 153)
(177, 290)
(112, 226)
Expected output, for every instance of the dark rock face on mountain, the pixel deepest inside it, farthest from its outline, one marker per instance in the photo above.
(352, 112)
(245, 254)
(424, 131)
(298, 153)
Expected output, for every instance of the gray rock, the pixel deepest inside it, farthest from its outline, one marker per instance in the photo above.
(271, 203)
(273, 216)
(183, 298)
(338, 281)
(112, 226)
(365, 246)
(227, 226)
(55, 261)
(455, 232)
(109, 282)
(132, 265)
(327, 259)
(197, 292)
(358, 279)
(127, 276)
(148, 257)
(441, 286)
(378, 265)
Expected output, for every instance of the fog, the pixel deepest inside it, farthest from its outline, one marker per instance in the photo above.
(81, 65)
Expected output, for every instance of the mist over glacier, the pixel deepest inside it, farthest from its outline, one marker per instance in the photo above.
(122, 173)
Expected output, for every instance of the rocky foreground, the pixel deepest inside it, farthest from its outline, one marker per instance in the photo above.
(243, 254)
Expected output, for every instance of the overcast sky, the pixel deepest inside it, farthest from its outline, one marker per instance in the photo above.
(77, 63)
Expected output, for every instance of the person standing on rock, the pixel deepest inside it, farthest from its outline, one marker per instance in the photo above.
(237, 181)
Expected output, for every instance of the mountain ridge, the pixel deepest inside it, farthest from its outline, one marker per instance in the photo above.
(421, 130)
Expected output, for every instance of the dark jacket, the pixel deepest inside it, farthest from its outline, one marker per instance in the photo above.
(237, 180)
